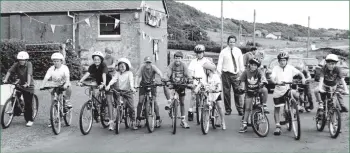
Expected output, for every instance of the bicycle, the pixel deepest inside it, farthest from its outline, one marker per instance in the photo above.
(58, 109)
(304, 100)
(173, 110)
(202, 98)
(209, 112)
(258, 114)
(330, 112)
(147, 109)
(96, 106)
(291, 112)
(15, 101)
(120, 109)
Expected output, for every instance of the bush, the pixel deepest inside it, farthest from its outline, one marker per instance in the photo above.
(252, 44)
(41, 60)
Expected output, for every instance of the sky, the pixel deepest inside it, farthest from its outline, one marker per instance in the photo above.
(323, 14)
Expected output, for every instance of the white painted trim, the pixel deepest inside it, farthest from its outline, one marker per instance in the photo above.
(106, 36)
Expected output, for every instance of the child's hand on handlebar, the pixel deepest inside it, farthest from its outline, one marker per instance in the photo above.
(108, 87)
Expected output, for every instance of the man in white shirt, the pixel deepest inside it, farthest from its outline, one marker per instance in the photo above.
(231, 66)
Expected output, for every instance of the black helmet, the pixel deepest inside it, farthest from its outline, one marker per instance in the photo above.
(255, 61)
(283, 55)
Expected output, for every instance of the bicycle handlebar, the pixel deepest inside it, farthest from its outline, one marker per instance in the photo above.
(121, 91)
(152, 85)
(52, 87)
(197, 78)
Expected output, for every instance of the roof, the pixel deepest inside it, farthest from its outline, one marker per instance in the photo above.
(277, 33)
(64, 6)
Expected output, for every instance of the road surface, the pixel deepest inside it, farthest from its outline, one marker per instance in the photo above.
(40, 138)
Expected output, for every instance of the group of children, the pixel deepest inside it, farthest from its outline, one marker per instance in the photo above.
(109, 73)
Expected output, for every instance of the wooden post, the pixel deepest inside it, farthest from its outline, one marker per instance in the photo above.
(308, 38)
(222, 24)
(254, 30)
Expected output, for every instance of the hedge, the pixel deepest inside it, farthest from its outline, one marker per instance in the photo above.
(41, 60)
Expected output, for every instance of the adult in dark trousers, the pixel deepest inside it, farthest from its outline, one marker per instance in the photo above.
(231, 66)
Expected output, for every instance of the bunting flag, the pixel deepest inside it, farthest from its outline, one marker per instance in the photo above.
(53, 28)
(87, 20)
(156, 56)
(116, 23)
(143, 35)
(150, 38)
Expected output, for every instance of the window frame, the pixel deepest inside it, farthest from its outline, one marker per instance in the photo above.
(107, 36)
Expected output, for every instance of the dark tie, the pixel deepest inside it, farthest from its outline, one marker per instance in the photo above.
(234, 61)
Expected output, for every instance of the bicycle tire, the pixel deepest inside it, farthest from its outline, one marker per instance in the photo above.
(337, 113)
(320, 120)
(89, 107)
(8, 102)
(118, 120)
(174, 116)
(298, 134)
(36, 104)
(68, 116)
(214, 119)
(205, 116)
(254, 120)
(198, 111)
(288, 118)
(55, 108)
(127, 118)
(149, 112)
(103, 113)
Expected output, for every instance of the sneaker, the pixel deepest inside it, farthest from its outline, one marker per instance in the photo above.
(277, 131)
(243, 128)
(266, 109)
(158, 123)
(190, 116)
(111, 125)
(167, 106)
(29, 124)
(320, 105)
(134, 126)
(69, 104)
(184, 124)
(223, 126)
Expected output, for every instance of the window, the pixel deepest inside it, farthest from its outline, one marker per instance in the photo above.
(107, 27)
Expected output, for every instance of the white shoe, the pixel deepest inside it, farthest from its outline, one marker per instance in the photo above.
(29, 124)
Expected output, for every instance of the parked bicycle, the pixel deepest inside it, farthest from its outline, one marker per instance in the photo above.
(58, 109)
(9, 109)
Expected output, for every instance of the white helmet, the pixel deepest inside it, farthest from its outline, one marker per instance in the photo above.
(98, 53)
(126, 61)
(332, 58)
(22, 55)
(57, 56)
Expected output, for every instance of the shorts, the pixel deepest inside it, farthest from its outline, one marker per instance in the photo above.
(180, 90)
(143, 91)
(281, 101)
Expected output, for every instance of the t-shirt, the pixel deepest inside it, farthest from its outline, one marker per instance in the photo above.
(125, 81)
(58, 75)
(22, 72)
(109, 61)
(285, 74)
(177, 73)
(97, 71)
(196, 66)
(252, 79)
(331, 77)
(147, 74)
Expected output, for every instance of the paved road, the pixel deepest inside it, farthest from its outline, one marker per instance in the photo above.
(39, 138)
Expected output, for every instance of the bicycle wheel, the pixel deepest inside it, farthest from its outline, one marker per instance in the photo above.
(149, 114)
(198, 110)
(68, 115)
(334, 123)
(55, 117)
(35, 105)
(118, 119)
(260, 123)
(104, 114)
(8, 111)
(205, 119)
(320, 120)
(295, 119)
(287, 116)
(86, 109)
(174, 115)
(127, 118)
(214, 117)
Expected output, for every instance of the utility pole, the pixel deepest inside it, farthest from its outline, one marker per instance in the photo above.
(222, 23)
(308, 38)
(254, 30)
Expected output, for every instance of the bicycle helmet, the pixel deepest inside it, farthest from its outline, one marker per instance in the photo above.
(199, 48)
(22, 55)
(332, 58)
(57, 56)
(209, 66)
(126, 61)
(98, 53)
(283, 55)
(255, 61)
(178, 54)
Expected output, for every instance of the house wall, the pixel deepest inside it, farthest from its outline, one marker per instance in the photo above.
(157, 33)
(21, 27)
(128, 45)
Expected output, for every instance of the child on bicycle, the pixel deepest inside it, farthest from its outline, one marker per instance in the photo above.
(306, 88)
(98, 71)
(214, 84)
(252, 79)
(330, 76)
(283, 73)
(24, 71)
(123, 80)
(147, 72)
(196, 69)
(59, 74)
(177, 72)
